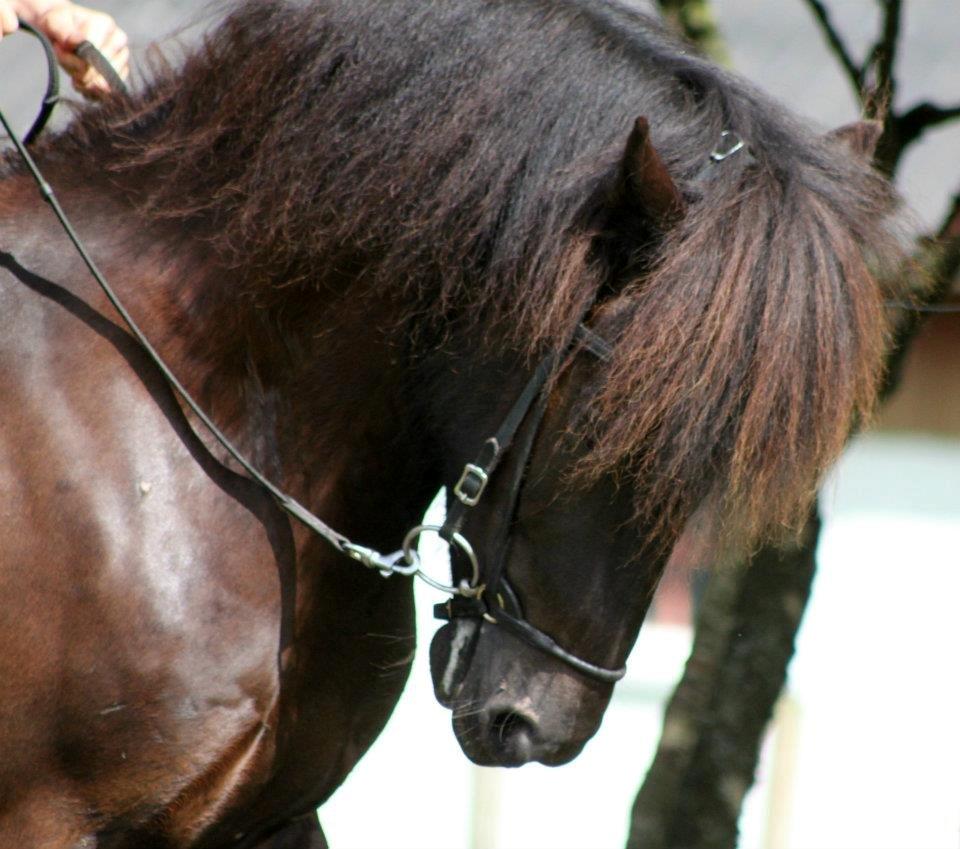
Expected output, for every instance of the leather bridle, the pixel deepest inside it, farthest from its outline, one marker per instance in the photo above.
(488, 595)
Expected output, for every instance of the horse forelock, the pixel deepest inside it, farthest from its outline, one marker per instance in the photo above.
(457, 157)
(748, 355)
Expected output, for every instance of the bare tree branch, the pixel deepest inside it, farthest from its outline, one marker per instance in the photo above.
(951, 225)
(883, 55)
(913, 123)
(854, 72)
(929, 114)
(874, 84)
(946, 265)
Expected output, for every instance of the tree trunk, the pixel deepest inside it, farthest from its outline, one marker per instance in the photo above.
(745, 632)
(749, 616)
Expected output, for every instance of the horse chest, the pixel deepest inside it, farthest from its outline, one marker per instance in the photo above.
(340, 680)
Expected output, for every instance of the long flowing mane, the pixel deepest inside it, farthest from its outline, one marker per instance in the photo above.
(458, 157)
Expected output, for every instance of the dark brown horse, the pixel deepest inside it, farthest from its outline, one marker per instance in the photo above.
(355, 230)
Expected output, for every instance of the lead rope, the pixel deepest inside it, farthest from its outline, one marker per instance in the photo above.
(399, 562)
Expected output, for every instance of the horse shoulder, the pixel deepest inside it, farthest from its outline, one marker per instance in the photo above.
(123, 609)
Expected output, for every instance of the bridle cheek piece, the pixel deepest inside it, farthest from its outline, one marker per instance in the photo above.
(488, 595)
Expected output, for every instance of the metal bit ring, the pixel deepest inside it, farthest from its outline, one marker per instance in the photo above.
(457, 539)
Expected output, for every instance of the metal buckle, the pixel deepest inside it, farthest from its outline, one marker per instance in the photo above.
(729, 144)
(398, 563)
(471, 473)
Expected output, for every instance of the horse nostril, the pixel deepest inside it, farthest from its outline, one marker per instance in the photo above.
(506, 723)
(513, 736)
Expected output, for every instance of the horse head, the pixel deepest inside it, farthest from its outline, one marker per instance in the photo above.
(556, 569)
(678, 397)
(571, 571)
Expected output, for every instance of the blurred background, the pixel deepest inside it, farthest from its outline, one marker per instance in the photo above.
(864, 752)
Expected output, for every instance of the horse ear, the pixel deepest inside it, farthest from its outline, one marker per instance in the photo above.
(643, 182)
(860, 138)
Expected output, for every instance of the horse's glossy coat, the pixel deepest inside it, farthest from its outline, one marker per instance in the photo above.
(350, 229)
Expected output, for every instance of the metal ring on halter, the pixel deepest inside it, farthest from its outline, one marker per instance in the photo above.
(458, 539)
(729, 144)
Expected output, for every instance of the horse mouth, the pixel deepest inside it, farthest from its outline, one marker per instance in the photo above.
(501, 736)
(506, 719)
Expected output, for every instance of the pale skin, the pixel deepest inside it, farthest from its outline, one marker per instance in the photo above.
(67, 24)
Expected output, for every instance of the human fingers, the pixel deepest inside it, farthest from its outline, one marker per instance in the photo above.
(67, 25)
(87, 80)
(8, 19)
(117, 51)
(118, 57)
(70, 25)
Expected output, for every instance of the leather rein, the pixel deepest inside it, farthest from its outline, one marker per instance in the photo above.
(470, 597)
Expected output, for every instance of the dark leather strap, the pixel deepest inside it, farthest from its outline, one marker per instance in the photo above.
(535, 637)
(593, 342)
(100, 63)
(498, 603)
(86, 51)
(52, 95)
(469, 489)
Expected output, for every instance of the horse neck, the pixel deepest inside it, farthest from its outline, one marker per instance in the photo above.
(299, 378)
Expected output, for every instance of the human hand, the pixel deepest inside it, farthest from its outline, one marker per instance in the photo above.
(8, 18)
(67, 24)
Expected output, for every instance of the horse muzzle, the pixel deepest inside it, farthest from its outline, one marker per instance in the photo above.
(511, 705)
